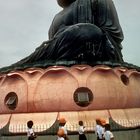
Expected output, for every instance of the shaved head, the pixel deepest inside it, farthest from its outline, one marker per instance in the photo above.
(65, 3)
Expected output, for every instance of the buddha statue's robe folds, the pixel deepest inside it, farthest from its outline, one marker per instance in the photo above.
(86, 30)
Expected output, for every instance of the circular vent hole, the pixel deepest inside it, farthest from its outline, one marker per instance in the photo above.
(11, 100)
(83, 96)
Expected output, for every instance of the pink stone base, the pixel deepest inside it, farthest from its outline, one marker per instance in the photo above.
(42, 93)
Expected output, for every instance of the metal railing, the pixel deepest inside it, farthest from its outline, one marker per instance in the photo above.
(45, 129)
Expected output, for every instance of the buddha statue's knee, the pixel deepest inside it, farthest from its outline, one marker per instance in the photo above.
(84, 32)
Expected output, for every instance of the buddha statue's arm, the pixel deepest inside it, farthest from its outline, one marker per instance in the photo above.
(56, 25)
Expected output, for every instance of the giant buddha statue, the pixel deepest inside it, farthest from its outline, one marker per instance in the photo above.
(78, 73)
(85, 30)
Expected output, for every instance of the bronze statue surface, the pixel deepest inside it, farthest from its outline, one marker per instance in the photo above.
(86, 30)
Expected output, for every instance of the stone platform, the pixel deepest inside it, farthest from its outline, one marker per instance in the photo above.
(79, 92)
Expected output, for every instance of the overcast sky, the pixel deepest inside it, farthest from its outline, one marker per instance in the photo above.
(24, 26)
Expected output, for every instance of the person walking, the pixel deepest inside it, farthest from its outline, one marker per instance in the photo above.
(62, 123)
(81, 131)
(99, 129)
(108, 135)
(30, 132)
(60, 134)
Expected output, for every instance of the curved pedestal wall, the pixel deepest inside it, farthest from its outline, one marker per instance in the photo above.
(80, 92)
